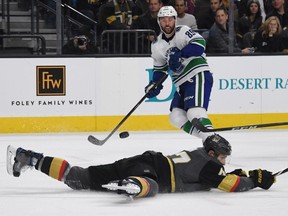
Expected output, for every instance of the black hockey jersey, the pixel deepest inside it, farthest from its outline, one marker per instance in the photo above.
(196, 170)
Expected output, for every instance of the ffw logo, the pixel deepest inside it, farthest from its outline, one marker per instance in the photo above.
(51, 80)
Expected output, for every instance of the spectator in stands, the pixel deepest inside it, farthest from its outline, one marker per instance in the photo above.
(208, 19)
(148, 20)
(269, 36)
(81, 43)
(117, 14)
(249, 23)
(218, 40)
(280, 11)
(214, 5)
(184, 18)
(243, 6)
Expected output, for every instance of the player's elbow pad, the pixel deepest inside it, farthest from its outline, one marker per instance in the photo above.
(192, 50)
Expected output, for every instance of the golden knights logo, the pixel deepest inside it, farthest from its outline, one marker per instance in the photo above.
(51, 80)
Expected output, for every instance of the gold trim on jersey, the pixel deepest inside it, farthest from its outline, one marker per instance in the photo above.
(229, 183)
(171, 175)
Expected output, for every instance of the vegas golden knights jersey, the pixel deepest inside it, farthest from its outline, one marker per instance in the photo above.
(196, 170)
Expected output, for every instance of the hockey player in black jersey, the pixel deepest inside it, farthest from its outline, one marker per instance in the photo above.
(150, 173)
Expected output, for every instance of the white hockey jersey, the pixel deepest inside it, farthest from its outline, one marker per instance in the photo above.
(192, 65)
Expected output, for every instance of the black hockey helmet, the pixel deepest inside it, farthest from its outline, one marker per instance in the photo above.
(218, 144)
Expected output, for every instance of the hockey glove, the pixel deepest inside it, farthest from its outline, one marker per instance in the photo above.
(175, 59)
(262, 178)
(153, 91)
(239, 172)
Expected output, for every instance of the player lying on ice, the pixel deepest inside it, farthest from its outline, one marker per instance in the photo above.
(147, 174)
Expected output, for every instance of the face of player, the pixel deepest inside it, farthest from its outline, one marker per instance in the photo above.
(167, 24)
(222, 158)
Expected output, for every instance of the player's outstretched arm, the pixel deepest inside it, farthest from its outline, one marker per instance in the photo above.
(238, 181)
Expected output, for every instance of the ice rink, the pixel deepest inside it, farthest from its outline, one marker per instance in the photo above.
(35, 194)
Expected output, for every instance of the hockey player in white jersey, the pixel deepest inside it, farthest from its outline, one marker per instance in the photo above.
(181, 49)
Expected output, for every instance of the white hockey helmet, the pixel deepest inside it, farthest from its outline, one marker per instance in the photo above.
(166, 11)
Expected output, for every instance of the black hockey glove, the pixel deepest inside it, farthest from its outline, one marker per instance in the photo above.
(262, 178)
(153, 91)
(239, 172)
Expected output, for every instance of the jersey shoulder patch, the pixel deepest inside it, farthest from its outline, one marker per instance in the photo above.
(178, 28)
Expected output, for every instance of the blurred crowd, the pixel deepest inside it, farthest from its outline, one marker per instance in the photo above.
(258, 25)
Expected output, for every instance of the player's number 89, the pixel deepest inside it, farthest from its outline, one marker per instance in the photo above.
(190, 33)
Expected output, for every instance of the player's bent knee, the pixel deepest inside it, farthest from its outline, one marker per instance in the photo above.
(149, 187)
(78, 178)
(178, 117)
(196, 112)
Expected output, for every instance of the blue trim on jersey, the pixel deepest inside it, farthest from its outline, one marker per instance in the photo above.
(192, 50)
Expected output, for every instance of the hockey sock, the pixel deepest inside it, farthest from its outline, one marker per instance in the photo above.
(190, 129)
(149, 187)
(56, 168)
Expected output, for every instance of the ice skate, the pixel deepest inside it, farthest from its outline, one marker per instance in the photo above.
(126, 186)
(18, 160)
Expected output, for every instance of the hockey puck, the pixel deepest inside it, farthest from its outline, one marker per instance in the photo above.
(124, 134)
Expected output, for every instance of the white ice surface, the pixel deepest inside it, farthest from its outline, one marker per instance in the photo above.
(35, 194)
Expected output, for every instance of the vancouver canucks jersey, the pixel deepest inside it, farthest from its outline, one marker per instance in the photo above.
(192, 65)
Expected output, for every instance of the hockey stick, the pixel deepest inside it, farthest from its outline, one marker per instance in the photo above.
(280, 172)
(196, 123)
(96, 141)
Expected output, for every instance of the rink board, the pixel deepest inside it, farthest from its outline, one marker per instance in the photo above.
(94, 94)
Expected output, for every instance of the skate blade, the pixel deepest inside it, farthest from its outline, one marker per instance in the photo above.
(128, 189)
(11, 153)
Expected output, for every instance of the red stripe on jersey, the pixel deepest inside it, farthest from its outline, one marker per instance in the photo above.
(236, 184)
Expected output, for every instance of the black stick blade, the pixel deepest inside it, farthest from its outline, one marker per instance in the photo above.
(95, 141)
